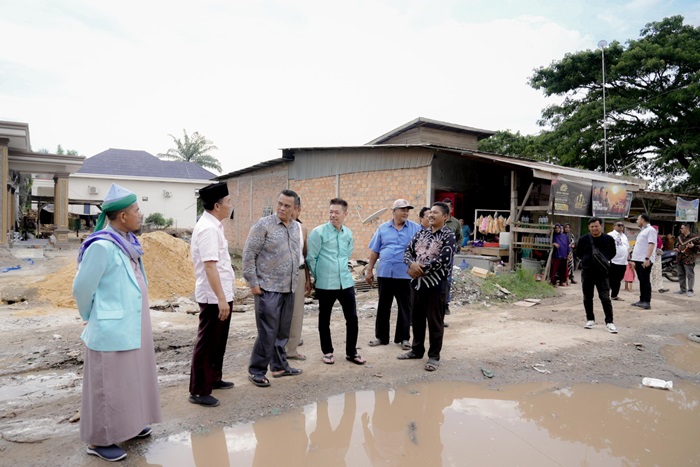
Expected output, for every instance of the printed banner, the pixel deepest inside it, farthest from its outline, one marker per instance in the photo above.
(687, 210)
(611, 200)
(571, 197)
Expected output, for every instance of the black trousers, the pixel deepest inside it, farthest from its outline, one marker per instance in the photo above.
(429, 306)
(644, 276)
(273, 318)
(591, 280)
(209, 349)
(617, 273)
(326, 300)
(400, 289)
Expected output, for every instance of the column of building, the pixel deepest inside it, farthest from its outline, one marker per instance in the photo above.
(60, 209)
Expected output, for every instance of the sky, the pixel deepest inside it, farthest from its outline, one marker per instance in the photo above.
(258, 76)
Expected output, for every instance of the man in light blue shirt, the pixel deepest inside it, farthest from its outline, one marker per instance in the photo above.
(388, 245)
(328, 252)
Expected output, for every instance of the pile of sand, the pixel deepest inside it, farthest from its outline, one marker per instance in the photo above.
(168, 268)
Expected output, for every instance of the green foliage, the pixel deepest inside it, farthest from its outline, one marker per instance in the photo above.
(652, 106)
(193, 148)
(521, 284)
(514, 144)
(25, 192)
(158, 220)
(60, 151)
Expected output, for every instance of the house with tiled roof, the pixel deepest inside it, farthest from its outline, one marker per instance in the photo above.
(166, 187)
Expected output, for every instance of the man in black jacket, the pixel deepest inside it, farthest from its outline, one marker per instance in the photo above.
(593, 274)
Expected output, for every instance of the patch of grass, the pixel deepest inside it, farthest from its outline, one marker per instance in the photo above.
(521, 284)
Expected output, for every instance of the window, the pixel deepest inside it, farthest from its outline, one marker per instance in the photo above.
(267, 211)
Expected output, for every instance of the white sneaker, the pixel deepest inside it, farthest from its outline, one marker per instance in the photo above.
(691, 294)
(589, 324)
(611, 328)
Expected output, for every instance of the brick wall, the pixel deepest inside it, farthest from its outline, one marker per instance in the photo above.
(366, 193)
(251, 193)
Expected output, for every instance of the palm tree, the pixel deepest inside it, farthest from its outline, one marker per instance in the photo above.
(193, 148)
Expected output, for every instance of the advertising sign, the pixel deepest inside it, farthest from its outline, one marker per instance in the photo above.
(571, 197)
(610, 200)
(687, 210)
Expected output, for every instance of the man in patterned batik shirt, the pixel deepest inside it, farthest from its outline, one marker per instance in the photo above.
(429, 259)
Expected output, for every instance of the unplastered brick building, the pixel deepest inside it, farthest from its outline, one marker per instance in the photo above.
(410, 162)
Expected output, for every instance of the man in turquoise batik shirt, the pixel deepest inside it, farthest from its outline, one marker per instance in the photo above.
(328, 252)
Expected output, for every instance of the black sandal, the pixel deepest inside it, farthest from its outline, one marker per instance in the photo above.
(356, 359)
(259, 381)
(408, 356)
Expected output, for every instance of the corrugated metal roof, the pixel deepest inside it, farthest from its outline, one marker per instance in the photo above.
(545, 170)
(437, 124)
(252, 168)
(539, 169)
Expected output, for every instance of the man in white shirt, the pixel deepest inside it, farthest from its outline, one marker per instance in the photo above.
(214, 282)
(618, 264)
(643, 257)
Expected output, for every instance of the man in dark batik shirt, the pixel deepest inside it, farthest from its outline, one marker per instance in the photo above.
(429, 259)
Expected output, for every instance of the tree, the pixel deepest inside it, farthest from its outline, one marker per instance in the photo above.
(514, 144)
(158, 220)
(193, 148)
(653, 106)
(60, 151)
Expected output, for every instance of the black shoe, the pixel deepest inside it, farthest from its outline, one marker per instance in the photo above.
(635, 303)
(204, 401)
(446, 325)
(573, 281)
(145, 433)
(663, 290)
(645, 305)
(616, 298)
(222, 385)
(111, 453)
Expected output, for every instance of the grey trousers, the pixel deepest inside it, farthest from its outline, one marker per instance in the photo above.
(686, 272)
(273, 317)
(297, 315)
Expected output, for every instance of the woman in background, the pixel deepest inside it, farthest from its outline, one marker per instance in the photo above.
(560, 254)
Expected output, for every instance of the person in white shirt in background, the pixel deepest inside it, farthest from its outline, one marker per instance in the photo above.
(618, 264)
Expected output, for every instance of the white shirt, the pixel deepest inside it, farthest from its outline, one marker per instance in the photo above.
(209, 244)
(301, 245)
(641, 247)
(622, 248)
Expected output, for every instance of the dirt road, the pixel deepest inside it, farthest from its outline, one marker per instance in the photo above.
(41, 361)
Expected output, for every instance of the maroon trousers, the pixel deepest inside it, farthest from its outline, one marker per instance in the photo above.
(209, 349)
(558, 268)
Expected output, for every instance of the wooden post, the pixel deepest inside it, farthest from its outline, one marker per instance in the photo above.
(5, 205)
(513, 214)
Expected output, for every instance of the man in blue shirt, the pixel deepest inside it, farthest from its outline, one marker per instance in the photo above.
(388, 245)
(328, 251)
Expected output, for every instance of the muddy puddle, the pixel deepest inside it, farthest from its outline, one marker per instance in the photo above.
(685, 356)
(457, 424)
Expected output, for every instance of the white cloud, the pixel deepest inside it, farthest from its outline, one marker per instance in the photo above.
(258, 76)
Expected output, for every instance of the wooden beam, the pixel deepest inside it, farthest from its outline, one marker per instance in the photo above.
(527, 196)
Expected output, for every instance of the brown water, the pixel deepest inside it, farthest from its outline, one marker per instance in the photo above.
(458, 424)
(685, 356)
